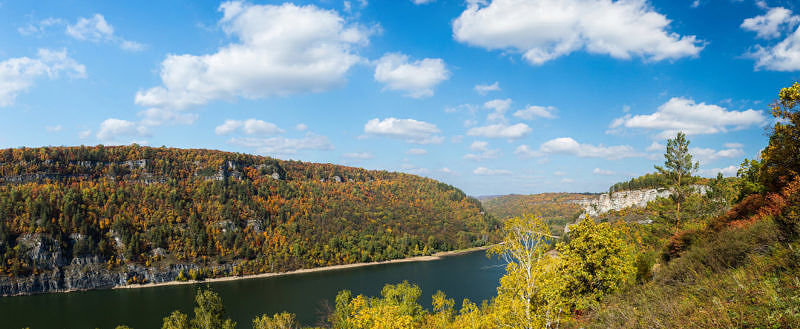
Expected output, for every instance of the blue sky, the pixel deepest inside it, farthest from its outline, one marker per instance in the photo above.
(494, 96)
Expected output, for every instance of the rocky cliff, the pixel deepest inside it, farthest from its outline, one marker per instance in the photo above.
(620, 200)
(56, 273)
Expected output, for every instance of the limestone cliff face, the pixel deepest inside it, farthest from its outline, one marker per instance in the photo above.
(56, 273)
(620, 200)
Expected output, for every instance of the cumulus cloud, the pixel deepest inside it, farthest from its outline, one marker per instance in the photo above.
(358, 155)
(282, 145)
(248, 127)
(417, 151)
(784, 56)
(18, 74)
(483, 171)
(301, 127)
(410, 130)
(483, 152)
(728, 171)
(569, 146)
(53, 129)
(278, 50)
(542, 30)
(499, 108)
(707, 155)
(567, 181)
(422, 2)
(598, 171)
(84, 134)
(501, 130)
(733, 145)
(771, 24)
(683, 114)
(417, 78)
(112, 129)
(484, 89)
(96, 29)
(532, 112)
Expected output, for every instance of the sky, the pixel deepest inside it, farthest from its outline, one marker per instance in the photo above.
(491, 96)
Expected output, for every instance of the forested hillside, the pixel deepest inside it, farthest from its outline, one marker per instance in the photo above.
(143, 205)
(557, 209)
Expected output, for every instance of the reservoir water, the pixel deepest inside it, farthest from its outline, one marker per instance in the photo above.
(471, 275)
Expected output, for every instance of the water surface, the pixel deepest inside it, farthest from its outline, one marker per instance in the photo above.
(472, 276)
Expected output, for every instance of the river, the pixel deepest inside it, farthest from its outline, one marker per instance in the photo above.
(471, 275)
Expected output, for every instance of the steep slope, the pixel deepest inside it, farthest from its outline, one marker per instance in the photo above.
(71, 217)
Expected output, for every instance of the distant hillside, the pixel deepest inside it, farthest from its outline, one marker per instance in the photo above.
(218, 213)
(558, 209)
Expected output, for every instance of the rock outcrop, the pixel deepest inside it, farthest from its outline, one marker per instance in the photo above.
(620, 200)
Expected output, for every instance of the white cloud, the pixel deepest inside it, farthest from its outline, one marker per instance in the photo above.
(279, 50)
(598, 171)
(567, 145)
(410, 130)
(39, 27)
(567, 181)
(111, 129)
(483, 171)
(784, 56)
(416, 78)
(771, 24)
(533, 111)
(131, 46)
(484, 89)
(359, 155)
(422, 2)
(19, 74)
(499, 108)
(417, 151)
(728, 171)
(655, 146)
(284, 146)
(543, 30)
(157, 116)
(682, 114)
(248, 127)
(526, 152)
(707, 155)
(484, 151)
(733, 145)
(53, 129)
(96, 29)
(501, 131)
(84, 134)
(559, 173)
(301, 127)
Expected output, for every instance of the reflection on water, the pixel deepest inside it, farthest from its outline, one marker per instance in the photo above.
(472, 276)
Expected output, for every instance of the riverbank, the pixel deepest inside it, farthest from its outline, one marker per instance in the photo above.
(433, 257)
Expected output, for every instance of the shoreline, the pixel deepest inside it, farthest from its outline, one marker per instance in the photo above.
(436, 256)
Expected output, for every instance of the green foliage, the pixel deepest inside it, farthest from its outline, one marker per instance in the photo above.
(678, 169)
(646, 181)
(749, 182)
(278, 321)
(781, 158)
(594, 263)
(208, 314)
